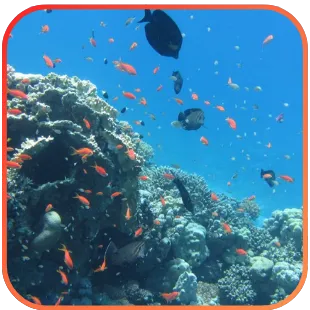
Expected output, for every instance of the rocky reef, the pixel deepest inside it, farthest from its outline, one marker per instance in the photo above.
(81, 178)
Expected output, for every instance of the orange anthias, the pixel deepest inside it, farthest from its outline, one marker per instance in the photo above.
(49, 62)
(13, 164)
(162, 200)
(128, 214)
(131, 154)
(204, 140)
(82, 152)
(67, 259)
(102, 267)
(232, 123)
(100, 170)
(226, 228)
(214, 197)
(87, 123)
(18, 94)
(35, 299)
(169, 297)
(287, 178)
(241, 252)
(138, 232)
(129, 95)
(125, 67)
(83, 200)
(143, 177)
(64, 278)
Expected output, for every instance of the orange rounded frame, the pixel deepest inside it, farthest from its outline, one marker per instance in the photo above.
(128, 7)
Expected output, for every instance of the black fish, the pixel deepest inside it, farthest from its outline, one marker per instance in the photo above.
(142, 123)
(123, 110)
(141, 136)
(48, 11)
(191, 119)
(93, 34)
(105, 94)
(162, 33)
(126, 255)
(270, 181)
(105, 61)
(184, 195)
(178, 83)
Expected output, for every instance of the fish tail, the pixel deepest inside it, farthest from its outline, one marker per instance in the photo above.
(147, 17)
(64, 248)
(74, 151)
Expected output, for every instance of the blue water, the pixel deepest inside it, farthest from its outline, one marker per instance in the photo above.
(277, 68)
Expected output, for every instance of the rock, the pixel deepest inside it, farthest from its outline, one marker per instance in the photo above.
(261, 268)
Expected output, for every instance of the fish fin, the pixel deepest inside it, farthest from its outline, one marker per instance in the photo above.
(147, 17)
(111, 249)
(74, 151)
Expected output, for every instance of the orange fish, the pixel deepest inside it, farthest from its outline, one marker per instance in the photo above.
(35, 299)
(93, 42)
(137, 90)
(162, 200)
(99, 194)
(156, 222)
(25, 81)
(13, 164)
(156, 70)
(111, 40)
(64, 278)
(214, 197)
(102, 267)
(85, 171)
(133, 46)
(115, 99)
(269, 145)
(82, 200)
(128, 214)
(241, 252)
(115, 194)
(25, 156)
(138, 232)
(277, 244)
(267, 176)
(119, 146)
(287, 178)
(226, 228)
(169, 297)
(10, 149)
(143, 101)
(125, 67)
(82, 152)
(60, 299)
(14, 111)
(179, 101)
(204, 140)
(129, 95)
(232, 123)
(57, 61)
(240, 210)
(168, 176)
(87, 123)
(220, 108)
(159, 88)
(17, 160)
(207, 102)
(100, 170)
(48, 62)
(268, 39)
(143, 177)
(18, 94)
(215, 214)
(194, 96)
(45, 29)
(131, 154)
(49, 207)
(67, 258)
(87, 191)
(252, 197)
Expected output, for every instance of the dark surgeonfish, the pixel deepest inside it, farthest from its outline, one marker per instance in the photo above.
(191, 119)
(270, 181)
(178, 82)
(126, 255)
(162, 33)
(187, 202)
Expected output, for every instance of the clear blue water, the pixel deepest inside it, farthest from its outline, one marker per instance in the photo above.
(277, 68)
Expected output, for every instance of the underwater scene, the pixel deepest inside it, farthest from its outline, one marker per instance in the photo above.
(154, 157)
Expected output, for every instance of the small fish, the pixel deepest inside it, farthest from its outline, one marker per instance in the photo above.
(156, 70)
(159, 88)
(100, 170)
(89, 59)
(156, 222)
(25, 81)
(116, 194)
(287, 178)
(277, 244)
(87, 123)
(13, 165)
(179, 101)
(99, 194)
(215, 214)
(67, 258)
(267, 176)
(280, 118)
(253, 197)
(35, 299)
(143, 101)
(204, 140)
(128, 214)
(93, 42)
(220, 108)
(231, 122)
(168, 176)
(49, 207)
(59, 300)
(10, 149)
(82, 151)
(140, 123)
(268, 39)
(87, 191)
(129, 95)
(143, 177)
(241, 252)
(288, 157)
(169, 297)
(123, 110)
(82, 200)
(133, 46)
(131, 154)
(111, 40)
(162, 200)
(48, 61)
(18, 94)
(214, 197)
(124, 67)
(226, 228)
(194, 96)
(14, 111)
(102, 24)
(105, 61)
(119, 146)
(102, 267)
(48, 11)
(45, 29)
(64, 278)
(129, 21)
(57, 60)
(258, 88)
(138, 232)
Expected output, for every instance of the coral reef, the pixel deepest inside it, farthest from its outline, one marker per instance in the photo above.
(80, 185)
